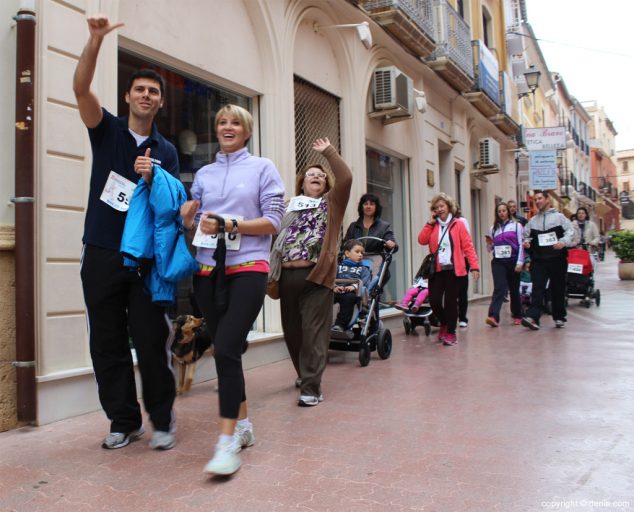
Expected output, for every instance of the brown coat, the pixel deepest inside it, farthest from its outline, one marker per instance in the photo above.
(325, 271)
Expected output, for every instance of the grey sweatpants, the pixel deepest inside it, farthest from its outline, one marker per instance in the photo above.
(306, 320)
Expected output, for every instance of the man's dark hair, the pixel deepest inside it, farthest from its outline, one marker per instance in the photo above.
(542, 192)
(375, 200)
(147, 73)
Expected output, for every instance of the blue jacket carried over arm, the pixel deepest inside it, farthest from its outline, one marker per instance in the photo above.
(154, 231)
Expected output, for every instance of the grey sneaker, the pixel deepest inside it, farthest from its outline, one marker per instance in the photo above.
(162, 440)
(244, 436)
(116, 440)
(309, 400)
(529, 322)
(226, 459)
(560, 324)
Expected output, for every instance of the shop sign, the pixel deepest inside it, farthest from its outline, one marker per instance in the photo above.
(540, 139)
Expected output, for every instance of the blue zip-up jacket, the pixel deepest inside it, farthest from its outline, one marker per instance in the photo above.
(154, 231)
(349, 269)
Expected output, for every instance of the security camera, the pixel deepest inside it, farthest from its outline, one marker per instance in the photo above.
(420, 100)
(363, 31)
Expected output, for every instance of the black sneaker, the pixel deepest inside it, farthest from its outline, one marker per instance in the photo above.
(529, 322)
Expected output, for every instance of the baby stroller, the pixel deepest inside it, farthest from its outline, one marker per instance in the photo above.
(422, 315)
(366, 333)
(580, 278)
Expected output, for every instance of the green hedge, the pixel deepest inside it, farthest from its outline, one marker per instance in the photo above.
(622, 242)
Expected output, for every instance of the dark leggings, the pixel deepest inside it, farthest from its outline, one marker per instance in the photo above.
(443, 297)
(229, 331)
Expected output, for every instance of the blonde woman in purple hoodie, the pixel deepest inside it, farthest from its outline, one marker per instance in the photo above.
(249, 194)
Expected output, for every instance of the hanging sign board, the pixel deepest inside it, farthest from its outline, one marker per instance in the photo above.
(542, 170)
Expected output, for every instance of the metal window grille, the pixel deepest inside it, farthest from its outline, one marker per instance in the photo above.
(316, 116)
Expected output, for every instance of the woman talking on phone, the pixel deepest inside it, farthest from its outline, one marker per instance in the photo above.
(450, 240)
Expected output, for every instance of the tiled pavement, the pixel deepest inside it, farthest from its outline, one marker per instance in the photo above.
(509, 420)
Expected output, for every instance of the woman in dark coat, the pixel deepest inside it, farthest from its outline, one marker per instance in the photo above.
(369, 223)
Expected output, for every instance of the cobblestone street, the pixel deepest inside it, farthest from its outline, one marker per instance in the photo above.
(508, 420)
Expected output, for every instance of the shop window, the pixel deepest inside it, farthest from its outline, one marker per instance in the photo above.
(187, 116)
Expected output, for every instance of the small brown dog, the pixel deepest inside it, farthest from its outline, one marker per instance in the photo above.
(191, 341)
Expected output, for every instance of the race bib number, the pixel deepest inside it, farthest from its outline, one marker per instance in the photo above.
(575, 268)
(299, 203)
(118, 192)
(546, 239)
(232, 240)
(502, 251)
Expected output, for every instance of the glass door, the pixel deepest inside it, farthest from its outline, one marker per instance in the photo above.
(386, 179)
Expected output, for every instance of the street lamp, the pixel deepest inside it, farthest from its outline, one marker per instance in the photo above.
(531, 75)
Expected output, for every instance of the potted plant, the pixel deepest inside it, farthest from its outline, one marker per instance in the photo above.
(622, 242)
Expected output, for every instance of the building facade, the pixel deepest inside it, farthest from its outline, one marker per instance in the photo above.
(425, 103)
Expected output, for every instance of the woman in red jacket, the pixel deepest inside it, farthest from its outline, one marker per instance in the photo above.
(451, 242)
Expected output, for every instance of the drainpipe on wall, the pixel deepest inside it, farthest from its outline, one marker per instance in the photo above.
(25, 212)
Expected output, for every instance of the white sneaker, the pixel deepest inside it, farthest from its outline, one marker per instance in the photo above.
(226, 459)
(463, 324)
(116, 440)
(162, 440)
(309, 400)
(244, 437)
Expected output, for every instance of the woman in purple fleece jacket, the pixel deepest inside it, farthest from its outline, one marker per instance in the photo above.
(505, 242)
(248, 193)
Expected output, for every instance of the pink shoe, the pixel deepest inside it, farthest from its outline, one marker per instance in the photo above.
(517, 321)
(442, 333)
(492, 322)
(450, 339)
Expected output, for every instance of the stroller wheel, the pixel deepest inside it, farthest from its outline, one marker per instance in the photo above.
(597, 297)
(427, 328)
(384, 343)
(407, 324)
(587, 302)
(364, 353)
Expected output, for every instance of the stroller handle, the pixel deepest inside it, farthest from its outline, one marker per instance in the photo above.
(377, 239)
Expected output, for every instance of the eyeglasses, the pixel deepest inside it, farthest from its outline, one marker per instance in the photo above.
(315, 174)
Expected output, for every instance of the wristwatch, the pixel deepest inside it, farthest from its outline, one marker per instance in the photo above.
(234, 226)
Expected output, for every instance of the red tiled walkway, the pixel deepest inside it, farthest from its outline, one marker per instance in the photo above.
(509, 420)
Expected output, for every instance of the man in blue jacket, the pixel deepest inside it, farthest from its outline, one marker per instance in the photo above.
(116, 305)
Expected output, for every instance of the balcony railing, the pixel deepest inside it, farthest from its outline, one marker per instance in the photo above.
(453, 37)
(411, 22)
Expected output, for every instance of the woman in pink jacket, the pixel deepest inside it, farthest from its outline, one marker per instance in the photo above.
(451, 241)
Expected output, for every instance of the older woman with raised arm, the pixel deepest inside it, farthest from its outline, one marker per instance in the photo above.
(304, 261)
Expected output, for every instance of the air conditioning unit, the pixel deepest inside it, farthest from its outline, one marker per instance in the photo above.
(392, 95)
(489, 162)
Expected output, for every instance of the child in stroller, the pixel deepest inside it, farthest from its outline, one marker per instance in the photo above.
(412, 304)
(364, 332)
(414, 296)
(354, 268)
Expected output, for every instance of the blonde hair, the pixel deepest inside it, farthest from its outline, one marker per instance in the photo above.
(241, 114)
(450, 202)
(299, 178)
